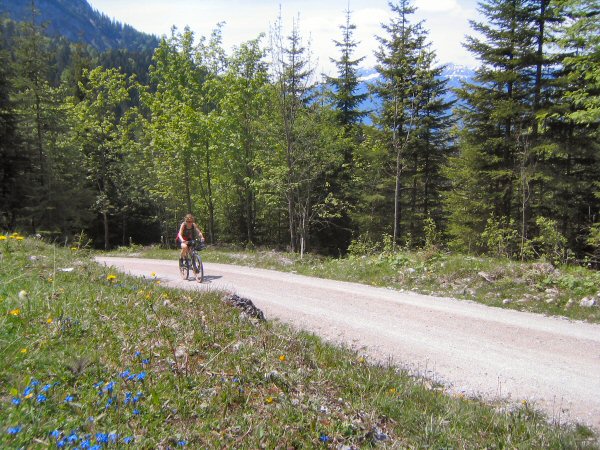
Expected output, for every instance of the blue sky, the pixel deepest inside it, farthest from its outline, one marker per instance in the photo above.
(319, 21)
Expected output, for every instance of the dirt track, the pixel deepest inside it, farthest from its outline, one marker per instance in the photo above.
(473, 349)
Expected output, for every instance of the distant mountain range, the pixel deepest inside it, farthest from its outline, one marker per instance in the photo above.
(455, 74)
(79, 22)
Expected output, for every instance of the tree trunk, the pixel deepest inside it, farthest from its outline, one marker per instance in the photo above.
(211, 206)
(106, 236)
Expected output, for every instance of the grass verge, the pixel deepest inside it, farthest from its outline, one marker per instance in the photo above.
(94, 359)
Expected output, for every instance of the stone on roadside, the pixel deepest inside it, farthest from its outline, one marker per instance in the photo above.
(587, 302)
(569, 304)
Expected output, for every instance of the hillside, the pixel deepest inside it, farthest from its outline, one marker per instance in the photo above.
(79, 22)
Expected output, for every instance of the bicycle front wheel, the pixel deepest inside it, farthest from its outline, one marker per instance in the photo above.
(184, 268)
(198, 267)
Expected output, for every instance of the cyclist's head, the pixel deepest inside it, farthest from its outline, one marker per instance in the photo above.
(189, 218)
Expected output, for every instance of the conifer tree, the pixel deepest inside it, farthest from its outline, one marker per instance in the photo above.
(499, 139)
(412, 110)
(346, 99)
(336, 233)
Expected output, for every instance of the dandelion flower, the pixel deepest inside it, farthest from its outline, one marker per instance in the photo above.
(49, 320)
(19, 238)
(282, 358)
(15, 312)
(269, 400)
(111, 277)
(392, 390)
(2, 237)
(153, 274)
(23, 350)
(74, 249)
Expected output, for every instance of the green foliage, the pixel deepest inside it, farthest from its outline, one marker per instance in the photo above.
(433, 237)
(550, 244)
(500, 237)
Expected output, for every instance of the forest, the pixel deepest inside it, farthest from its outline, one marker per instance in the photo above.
(119, 145)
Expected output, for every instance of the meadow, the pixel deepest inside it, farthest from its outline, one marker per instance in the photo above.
(96, 359)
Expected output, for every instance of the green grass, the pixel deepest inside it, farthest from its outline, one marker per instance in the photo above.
(526, 286)
(100, 358)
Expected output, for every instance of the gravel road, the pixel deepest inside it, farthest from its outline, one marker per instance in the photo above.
(473, 349)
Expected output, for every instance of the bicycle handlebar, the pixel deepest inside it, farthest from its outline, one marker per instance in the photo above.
(197, 244)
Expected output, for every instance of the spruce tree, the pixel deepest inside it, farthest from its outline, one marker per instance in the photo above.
(412, 114)
(335, 234)
(499, 138)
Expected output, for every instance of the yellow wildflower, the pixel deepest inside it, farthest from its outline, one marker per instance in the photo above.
(269, 400)
(392, 390)
(29, 395)
(74, 249)
(23, 350)
(15, 312)
(282, 358)
(49, 320)
(153, 274)
(2, 237)
(111, 277)
(19, 238)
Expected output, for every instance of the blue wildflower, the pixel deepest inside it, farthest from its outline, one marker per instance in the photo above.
(125, 373)
(96, 447)
(109, 402)
(145, 361)
(55, 434)
(324, 438)
(137, 354)
(136, 412)
(102, 438)
(46, 388)
(69, 399)
(34, 383)
(61, 443)
(141, 376)
(28, 390)
(16, 401)
(99, 384)
(14, 430)
(41, 398)
(112, 437)
(85, 444)
(109, 386)
(72, 438)
(181, 443)
(128, 439)
(128, 398)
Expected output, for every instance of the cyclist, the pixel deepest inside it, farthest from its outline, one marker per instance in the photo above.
(188, 231)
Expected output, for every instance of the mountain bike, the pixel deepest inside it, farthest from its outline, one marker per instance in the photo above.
(193, 261)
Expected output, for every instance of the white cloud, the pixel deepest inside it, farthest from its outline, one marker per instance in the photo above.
(446, 20)
(437, 5)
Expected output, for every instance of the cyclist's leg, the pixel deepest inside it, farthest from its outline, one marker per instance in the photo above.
(184, 250)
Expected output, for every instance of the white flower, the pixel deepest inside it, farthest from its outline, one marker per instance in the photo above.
(22, 295)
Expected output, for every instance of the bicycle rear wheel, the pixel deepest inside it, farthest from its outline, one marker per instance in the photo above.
(198, 267)
(184, 268)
